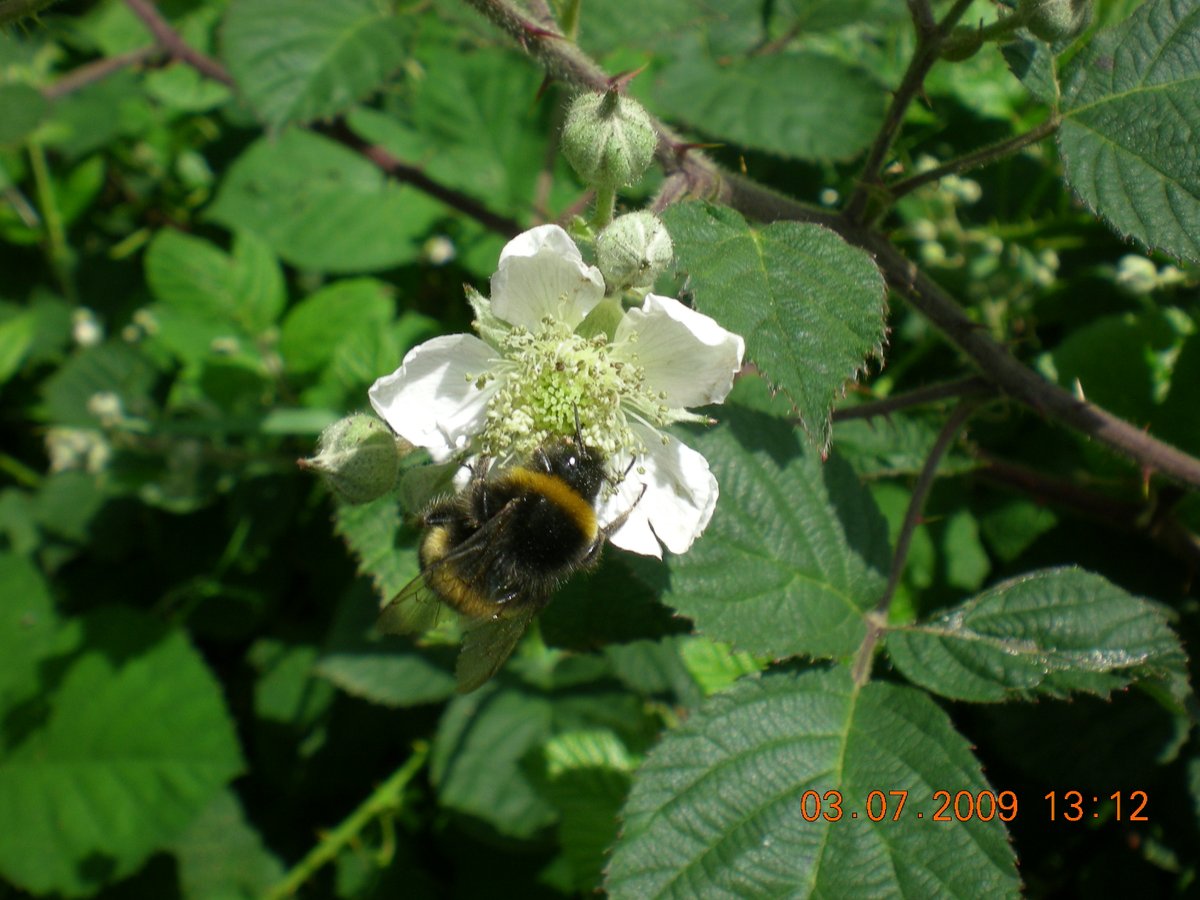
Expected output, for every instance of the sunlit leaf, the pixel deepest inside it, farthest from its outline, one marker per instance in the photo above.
(810, 306)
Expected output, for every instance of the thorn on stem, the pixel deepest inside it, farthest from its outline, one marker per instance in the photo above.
(535, 31)
(622, 80)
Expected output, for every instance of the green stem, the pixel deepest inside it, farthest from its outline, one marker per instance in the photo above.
(927, 53)
(978, 158)
(57, 251)
(385, 799)
(877, 618)
(19, 472)
(606, 203)
(964, 42)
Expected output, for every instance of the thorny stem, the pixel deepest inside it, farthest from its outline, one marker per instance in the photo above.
(692, 174)
(1019, 381)
(971, 386)
(922, 15)
(877, 618)
(402, 171)
(565, 61)
(384, 800)
(928, 51)
(1153, 520)
(992, 359)
(966, 42)
(978, 158)
(171, 41)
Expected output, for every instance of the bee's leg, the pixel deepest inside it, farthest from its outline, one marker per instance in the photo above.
(578, 430)
(620, 520)
(542, 461)
(615, 481)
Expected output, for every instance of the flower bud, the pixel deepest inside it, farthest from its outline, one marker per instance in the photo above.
(1055, 20)
(633, 251)
(608, 139)
(358, 457)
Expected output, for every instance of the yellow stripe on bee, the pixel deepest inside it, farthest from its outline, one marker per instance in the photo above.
(561, 495)
(436, 544)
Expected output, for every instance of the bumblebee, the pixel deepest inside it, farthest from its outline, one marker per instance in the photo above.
(497, 552)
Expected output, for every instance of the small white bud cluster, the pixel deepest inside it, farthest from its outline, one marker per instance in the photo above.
(1141, 276)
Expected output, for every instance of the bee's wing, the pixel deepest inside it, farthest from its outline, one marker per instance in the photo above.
(416, 608)
(412, 611)
(489, 642)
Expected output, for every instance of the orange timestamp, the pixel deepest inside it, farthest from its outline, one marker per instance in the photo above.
(1075, 806)
(959, 806)
(965, 806)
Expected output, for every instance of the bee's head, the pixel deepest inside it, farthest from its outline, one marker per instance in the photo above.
(580, 466)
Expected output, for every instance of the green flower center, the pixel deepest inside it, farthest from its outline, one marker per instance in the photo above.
(551, 376)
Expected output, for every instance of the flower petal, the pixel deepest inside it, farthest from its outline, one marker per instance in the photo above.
(431, 400)
(685, 354)
(635, 534)
(542, 273)
(679, 499)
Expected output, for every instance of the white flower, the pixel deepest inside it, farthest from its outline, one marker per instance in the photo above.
(552, 348)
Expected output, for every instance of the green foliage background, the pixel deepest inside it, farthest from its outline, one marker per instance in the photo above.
(221, 220)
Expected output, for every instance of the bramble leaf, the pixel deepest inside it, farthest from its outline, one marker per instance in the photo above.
(1051, 632)
(1130, 118)
(128, 740)
(737, 801)
(192, 277)
(797, 552)
(476, 759)
(771, 102)
(382, 668)
(321, 206)
(810, 306)
(296, 62)
(341, 313)
(221, 855)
